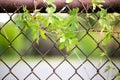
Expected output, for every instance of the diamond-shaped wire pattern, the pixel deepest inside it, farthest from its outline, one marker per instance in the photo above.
(22, 59)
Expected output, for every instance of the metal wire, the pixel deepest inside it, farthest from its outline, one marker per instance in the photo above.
(65, 58)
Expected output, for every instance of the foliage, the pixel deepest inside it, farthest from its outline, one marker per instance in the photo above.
(95, 4)
(63, 28)
(8, 42)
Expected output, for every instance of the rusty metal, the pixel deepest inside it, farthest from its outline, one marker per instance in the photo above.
(12, 5)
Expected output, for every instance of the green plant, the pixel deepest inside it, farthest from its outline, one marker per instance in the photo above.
(63, 28)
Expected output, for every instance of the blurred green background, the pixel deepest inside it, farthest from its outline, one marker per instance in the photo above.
(13, 40)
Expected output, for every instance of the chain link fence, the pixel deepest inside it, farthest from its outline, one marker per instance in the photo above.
(22, 59)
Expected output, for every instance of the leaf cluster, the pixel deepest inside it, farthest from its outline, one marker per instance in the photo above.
(63, 28)
(52, 23)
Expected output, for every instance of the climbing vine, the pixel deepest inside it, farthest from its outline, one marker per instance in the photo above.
(64, 28)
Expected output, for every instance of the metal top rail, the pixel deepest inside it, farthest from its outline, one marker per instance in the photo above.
(11, 5)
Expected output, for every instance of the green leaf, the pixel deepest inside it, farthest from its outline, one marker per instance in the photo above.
(75, 41)
(42, 34)
(25, 9)
(51, 10)
(69, 47)
(94, 7)
(103, 54)
(69, 1)
(102, 22)
(108, 37)
(70, 35)
(74, 11)
(57, 16)
(35, 35)
(43, 21)
(62, 45)
(19, 22)
(102, 13)
(97, 1)
(49, 1)
(62, 39)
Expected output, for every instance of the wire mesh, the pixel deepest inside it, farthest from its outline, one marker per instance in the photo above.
(50, 63)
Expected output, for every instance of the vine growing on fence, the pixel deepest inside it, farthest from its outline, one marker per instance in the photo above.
(64, 28)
